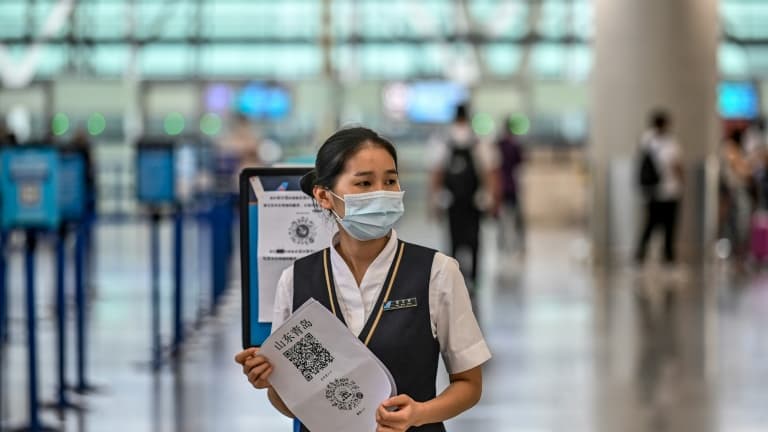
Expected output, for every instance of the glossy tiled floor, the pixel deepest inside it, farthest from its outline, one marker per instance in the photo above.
(620, 351)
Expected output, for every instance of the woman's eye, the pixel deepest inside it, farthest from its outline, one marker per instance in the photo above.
(363, 183)
(391, 182)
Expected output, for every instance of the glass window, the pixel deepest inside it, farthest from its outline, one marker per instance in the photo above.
(165, 60)
(503, 60)
(501, 18)
(556, 18)
(165, 19)
(260, 61)
(583, 19)
(13, 19)
(758, 60)
(745, 19)
(281, 20)
(733, 61)
(548, 60)
(108, 19)
(110, 60)
(388, 61)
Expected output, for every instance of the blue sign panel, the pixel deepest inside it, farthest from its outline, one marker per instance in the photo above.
(71, 186)
(155, 175)
(256, 269)
(29, 181)
(738, 100)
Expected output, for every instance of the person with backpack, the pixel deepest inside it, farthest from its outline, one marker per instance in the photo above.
(660, 177)
(511, 215)
(464, 185)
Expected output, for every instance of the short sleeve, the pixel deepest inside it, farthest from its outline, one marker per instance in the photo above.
(283, 307)
(437, 152)
(489, 155)
(454, 324)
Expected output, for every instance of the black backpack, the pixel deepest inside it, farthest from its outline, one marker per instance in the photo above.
(648, 173)
(461, 178)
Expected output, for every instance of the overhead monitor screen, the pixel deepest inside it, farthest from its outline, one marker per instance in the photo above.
(424, 101)
(738, 100)
(256, 100)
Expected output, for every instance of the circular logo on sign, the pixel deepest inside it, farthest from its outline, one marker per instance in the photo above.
(344, 394)
(302, 231)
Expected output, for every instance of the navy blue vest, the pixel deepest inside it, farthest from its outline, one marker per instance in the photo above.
(400, 336)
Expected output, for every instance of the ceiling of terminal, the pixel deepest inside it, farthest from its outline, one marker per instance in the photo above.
(348, 39)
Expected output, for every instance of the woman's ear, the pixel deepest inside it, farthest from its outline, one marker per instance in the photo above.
(323, 197)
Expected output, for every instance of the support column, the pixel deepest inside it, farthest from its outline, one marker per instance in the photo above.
(649, 54)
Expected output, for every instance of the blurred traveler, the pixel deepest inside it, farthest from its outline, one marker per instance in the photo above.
(756, 151)
(239, 149)
(464, 185)
(661, 160)
(755, 144)
(7, 137)
(735, 201)
(243, 141)
(511, 217)
(82, 144)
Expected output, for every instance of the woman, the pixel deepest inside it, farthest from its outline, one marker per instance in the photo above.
(356, 180)
(736, 204)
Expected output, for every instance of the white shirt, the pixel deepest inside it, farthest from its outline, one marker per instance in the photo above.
(453, 323)
(486, 156)
(666, 154)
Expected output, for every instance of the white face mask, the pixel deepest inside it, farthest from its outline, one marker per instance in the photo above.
(370, 215)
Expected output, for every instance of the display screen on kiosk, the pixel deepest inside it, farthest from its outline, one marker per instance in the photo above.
(155, 174)
(29, 178)
(278, 224)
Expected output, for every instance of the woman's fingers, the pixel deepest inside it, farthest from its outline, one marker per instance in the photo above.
(242, 356)
(263, 381)
(253, 362)
(256, 373)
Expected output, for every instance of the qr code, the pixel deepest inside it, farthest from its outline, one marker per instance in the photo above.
(309, 356)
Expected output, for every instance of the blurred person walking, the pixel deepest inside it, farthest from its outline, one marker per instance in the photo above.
(463, 186)
(661, 177)
(511, 216)
(81, 144)
(756, 151)
(239, 149)
(735, 201)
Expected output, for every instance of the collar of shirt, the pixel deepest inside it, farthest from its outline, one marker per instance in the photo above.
(357, 302)
(461, 135)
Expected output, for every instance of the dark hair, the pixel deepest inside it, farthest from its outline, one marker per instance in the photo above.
(462, 112)
(335, 152)
(736, 137)
(659, 119)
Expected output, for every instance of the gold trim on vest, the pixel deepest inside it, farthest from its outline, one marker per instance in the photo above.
(386, 296)
(328, 281)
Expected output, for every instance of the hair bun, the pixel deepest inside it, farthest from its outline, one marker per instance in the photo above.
(308, 182)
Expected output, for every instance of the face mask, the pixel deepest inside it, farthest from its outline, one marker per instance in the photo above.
(371, 215)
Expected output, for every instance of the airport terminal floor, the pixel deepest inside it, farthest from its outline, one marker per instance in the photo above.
(574, 349)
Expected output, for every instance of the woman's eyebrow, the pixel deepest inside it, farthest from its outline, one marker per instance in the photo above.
(369, 173)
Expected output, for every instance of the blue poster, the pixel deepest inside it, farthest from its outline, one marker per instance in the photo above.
(29, 181)
(155, 175)
(71, 186)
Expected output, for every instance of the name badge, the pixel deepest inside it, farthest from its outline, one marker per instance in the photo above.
(400, 304)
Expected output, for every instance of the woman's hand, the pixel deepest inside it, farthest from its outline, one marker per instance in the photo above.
(397, 414)
(255, 367)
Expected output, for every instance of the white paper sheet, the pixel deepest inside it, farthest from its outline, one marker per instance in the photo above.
(290, 227)
(327, 377)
